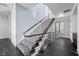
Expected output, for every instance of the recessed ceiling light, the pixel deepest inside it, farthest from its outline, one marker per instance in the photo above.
(61, 15)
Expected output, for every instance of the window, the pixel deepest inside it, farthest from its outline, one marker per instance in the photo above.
(57, 27)
(61, 27)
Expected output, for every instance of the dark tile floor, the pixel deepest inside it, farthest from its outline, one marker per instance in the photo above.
(7, 49)
(60, 47)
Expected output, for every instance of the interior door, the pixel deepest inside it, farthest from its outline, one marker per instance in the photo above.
(57, 29)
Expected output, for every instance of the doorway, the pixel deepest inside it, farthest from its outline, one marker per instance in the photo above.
(59, 28)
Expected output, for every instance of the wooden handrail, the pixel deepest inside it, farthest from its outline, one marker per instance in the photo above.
(41, 33)
(35, 24)
(35, 34)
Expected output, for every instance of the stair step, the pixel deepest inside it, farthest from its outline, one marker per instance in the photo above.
(39, 40)
(35, 45)
(31, 52)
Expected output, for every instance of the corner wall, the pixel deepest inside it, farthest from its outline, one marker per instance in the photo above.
(73, 24)
(78, 28)
(13, 25)
(4, 27)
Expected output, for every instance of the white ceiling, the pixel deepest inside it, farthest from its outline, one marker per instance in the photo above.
(5, 9)
(56, 8)
(28, 5)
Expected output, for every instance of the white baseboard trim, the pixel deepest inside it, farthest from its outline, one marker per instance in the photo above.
(78, 51)
(4, 38)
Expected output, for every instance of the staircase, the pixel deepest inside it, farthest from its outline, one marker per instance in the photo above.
(31, 44)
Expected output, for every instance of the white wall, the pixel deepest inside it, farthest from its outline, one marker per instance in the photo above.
(66, 21)
(40, 11)
(73, 24)
(4, 27)
(13, 25)
(26, 18)
(78, 28)
(9, 18)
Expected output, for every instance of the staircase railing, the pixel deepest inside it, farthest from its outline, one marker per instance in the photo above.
(41, 35)
(44, 32)
(35, 25)
(32, 40)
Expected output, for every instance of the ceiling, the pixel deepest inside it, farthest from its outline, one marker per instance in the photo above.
(5, 9)
(28, 5)
(56, 8)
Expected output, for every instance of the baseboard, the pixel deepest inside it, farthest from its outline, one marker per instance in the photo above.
(78, 51)
(4, 38)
